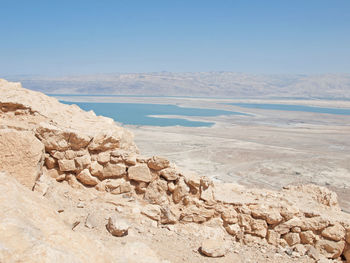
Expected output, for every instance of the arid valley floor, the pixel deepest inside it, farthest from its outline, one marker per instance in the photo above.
(268, 148)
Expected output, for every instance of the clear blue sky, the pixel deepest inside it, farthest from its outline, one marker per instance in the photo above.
(262, 36)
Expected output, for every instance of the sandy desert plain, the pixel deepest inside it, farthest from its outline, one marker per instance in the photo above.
(266, 148)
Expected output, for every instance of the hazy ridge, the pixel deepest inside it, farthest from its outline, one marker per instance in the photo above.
(206, 84)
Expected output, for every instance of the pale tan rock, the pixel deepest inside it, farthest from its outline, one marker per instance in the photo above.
(347, 236)
(61, 177)
(256, 227)
(346, 254)
(158, 163)
(213, 248)
(180, 191)
(140, 173)
(130, 159)
(300, 249)
(192, 179)
(85, 177)
(21, 156)
(72, 181)
(53, 173)
(96, 169)
(229, 216)
(103, 157)
(156, 192)
(58, 155)
(104, 141)
(42, 184)
(168, 215)
(296, 229)
(67, 165)
(207, 191)
(112, 171)
(270, 215)
(292, 238)
(118, 186)
(313, 253)
(55, 138)
(50, 162)
(170, 174)
(319, 193)
(335, 233)
(152, 211)
(273, 237)
(70, 154)
(196, 214)
(307, 237)
(91, 221)
(117, 226)
(28, 228)
(171, 187)
(82, 162)
(233, 229)
(330, 249)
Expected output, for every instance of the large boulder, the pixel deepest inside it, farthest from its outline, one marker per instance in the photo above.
(21, 155)
(31, 230)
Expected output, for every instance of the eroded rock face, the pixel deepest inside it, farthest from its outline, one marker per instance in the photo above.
(25, 238)
(21, 156)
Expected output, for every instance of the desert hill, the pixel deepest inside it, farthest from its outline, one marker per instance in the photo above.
(74, 188)
(203, 84)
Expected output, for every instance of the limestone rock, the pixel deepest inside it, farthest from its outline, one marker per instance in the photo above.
(117, 186)
(156, 192)
(292, 238)
(307, 237)
(117, 226)
(96, 169)
(193, 180)
(180, 191)
(330, 249)
(170, 174)
(104, 141)
(168, 216)
(140, 173)
(82, 162)
(86, 178)
(256, 227)
(152, 211)
(213, 248)
(50, 162)
(158, 163)
(67, 165)
(271, 215)
(91, 221)
(335, 233)
(233, 229)
(21, 155)
(112, 171)
(273, 237)
(195, 214)
(229, 216)
(103, 157)
(32, 232)
(207, 191)
(72, 181)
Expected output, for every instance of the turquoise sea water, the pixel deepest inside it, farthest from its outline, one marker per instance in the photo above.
(287, 107)
(138, 113)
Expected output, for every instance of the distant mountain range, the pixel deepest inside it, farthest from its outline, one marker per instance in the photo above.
(203, 84)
